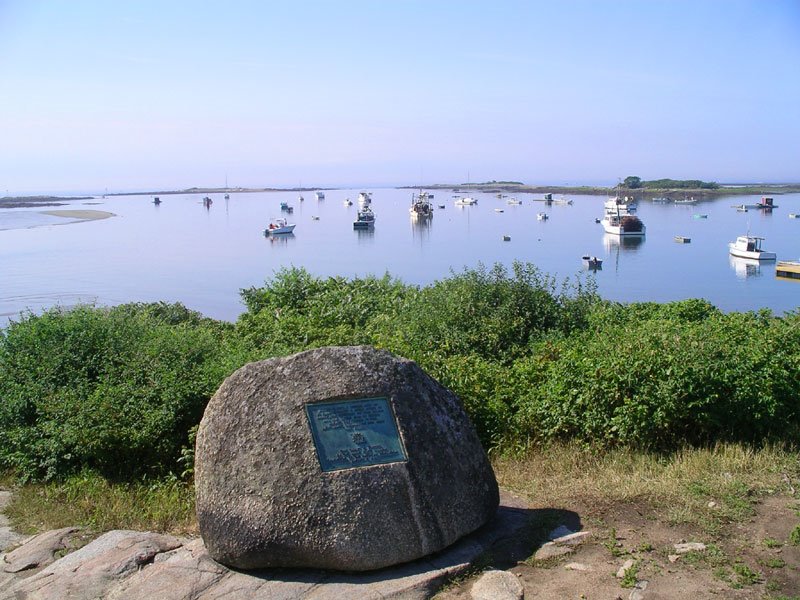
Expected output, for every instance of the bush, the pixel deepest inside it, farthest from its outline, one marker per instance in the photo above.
(113, 390)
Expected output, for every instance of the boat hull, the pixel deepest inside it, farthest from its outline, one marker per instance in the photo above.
(734, 251)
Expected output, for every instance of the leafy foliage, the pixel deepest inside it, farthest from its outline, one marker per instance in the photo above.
(120, 391)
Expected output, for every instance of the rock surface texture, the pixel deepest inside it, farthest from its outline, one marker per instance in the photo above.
(264, 500)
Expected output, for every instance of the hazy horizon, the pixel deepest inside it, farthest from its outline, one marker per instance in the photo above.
(167, 96)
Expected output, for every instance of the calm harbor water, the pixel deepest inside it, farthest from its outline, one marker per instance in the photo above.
(181, 251)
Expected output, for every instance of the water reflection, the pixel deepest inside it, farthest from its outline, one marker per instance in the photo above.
(365, 236)
(626, 243)
(280, 239)
(745, 267)
(421, 228)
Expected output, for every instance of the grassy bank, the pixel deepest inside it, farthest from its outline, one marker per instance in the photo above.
(678, 486)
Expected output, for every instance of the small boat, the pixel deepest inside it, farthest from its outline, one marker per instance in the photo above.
(740, 207)
(506, 238)
(467, 201)
(700, 216)
(498, 210)
(749, 246)
(365, 218)
(794, 216)
(597, 220)
(562, 200)
(279, 226)
(286, 208)
(156, 200)
(227, 196)
(364, 198)
(348, 202)
(542, 216)
(441, 206)
(787, 269)
(300, 198)
(514, 201)
(548, 199)
(592, 262)
(660, 200)
(681, 239)
(421, 207)
(320, 195)
(314, 218)
(686, 200)
(207, 201)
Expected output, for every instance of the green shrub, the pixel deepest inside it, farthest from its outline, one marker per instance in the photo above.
(113, 390)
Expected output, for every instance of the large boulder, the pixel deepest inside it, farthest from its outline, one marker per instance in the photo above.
(345, 458)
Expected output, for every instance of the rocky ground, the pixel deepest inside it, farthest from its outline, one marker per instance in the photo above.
(586, 551)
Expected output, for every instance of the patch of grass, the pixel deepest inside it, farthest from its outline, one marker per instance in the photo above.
(612, 545)
(679, 484)
(722, 574)
(745, 575)
(794, 536)
(88, 500)
(645, 547)
(771, 543)
(629, 579)
(775, 563)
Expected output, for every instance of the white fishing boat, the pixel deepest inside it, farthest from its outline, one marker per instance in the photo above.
(421, 206)
(285, 207)
(279, 226)
(498, 210)
(514, 201)
(682, 239)
(320, 195)
(618, 219)
(364, 198)
(794, 216)
(542, 216)
(562, 200)
(465, 201)
(347, 202)
(749, 246)
(365, 218)
(686, 200)
(300, 198)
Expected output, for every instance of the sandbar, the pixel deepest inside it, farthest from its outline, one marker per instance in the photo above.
(81, 215)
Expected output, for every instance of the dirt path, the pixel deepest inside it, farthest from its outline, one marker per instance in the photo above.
(753, 558)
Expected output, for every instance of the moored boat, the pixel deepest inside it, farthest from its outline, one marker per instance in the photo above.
(320, 195)
(514, 201)
(618, 219)
(681, 239)
(279, 226)
(421, 207)
(749, 246)
(542, 216)
(365, 218)
(592, 262)
(465, 201)
(787, 269)
(156, 200)
(364, 198)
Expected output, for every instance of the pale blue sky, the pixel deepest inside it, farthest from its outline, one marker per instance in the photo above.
(170, 94)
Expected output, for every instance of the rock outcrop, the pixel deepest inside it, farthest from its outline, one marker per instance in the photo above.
(345, 458)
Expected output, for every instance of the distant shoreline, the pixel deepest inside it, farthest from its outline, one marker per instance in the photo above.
(498, 188)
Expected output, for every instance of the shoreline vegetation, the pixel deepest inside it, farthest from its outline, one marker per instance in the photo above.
(663, 188)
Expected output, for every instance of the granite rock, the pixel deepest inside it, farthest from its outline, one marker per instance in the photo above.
(264, 500)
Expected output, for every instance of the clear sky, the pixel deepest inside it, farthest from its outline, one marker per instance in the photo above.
(142, 95)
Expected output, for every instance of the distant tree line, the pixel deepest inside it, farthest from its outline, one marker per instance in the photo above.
(634, 183)
(493, 182)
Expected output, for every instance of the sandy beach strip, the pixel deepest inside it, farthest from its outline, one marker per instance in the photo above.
(80, 215)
